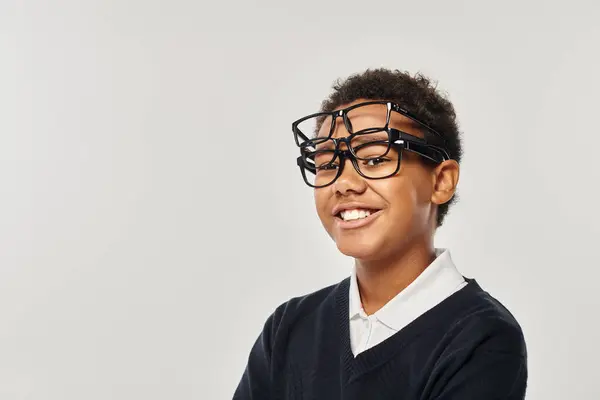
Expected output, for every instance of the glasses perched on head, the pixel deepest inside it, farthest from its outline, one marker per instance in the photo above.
(373, 147)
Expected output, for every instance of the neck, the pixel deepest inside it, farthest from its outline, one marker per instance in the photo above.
(379, 281)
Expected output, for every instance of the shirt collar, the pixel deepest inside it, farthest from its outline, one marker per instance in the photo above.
(438, 281)
(355, 306)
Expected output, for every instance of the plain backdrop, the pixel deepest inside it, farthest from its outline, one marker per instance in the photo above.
(152, 215)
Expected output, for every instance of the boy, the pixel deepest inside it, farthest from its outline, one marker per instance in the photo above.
(383, 158)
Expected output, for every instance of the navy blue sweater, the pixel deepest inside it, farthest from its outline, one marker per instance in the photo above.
(467, 347)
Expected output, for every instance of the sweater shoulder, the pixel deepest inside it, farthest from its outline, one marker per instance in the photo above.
(486, 320)
(300, 307)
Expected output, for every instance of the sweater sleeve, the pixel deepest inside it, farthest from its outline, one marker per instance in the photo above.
(488, 376)
(256, 381)
(487, 361)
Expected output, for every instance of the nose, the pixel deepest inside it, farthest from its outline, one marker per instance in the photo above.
(349, 182)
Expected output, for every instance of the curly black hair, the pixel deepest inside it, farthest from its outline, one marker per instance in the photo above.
(417, 93)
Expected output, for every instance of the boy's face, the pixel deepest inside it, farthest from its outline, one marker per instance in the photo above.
(402, 207)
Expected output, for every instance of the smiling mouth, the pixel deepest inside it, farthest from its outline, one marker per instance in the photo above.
(355, 214)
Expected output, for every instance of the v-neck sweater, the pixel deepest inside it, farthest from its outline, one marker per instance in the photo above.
(469, 346)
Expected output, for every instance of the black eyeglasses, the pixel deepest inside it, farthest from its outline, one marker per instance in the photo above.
(377, 158)
(375, 152)
(319, 127)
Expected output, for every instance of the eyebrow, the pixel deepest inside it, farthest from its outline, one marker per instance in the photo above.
(382, 135)
(328, 145)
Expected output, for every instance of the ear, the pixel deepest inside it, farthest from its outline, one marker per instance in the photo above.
(445, 180)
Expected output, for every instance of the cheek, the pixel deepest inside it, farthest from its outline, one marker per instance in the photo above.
(404, 196)
(414, 201)
(322, 205)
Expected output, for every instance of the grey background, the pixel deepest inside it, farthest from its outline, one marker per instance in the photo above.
(152, 215)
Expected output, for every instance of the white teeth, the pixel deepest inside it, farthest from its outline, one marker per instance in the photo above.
(350, 215)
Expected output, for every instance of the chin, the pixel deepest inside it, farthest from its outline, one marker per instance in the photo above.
(360, 250)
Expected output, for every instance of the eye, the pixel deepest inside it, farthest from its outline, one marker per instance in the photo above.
(327, 167)
(373, 162)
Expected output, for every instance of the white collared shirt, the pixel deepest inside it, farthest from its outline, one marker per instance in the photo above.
(437, 282)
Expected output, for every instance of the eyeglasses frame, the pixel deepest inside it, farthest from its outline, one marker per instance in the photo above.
(391, 106)
(397, 139)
